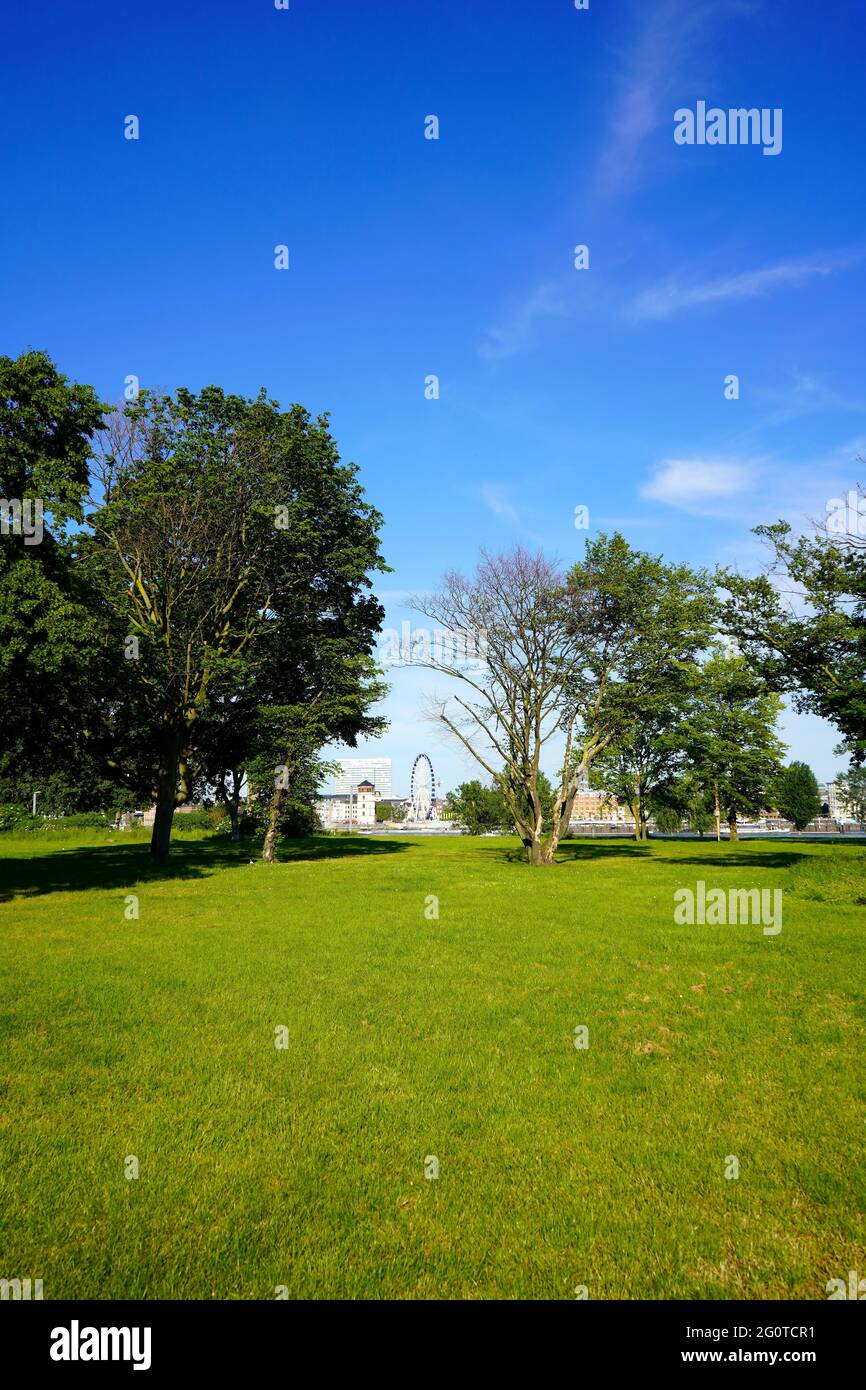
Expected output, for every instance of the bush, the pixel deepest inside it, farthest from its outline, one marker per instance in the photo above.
(12, 817)
(83, 820)
(199, 819)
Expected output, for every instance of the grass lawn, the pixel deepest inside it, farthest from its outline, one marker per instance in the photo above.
(411, 1039)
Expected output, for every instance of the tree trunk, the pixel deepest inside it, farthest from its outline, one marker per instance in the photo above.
(272, 834)
(231, 803)
(535, 853)
(718, 811)
(235, 803)
(166, 795)
(733, 833)
(561, 821)
(635, 805)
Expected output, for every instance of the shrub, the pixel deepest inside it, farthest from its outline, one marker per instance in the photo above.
(12, 817)
(84, 820)
(199, 819)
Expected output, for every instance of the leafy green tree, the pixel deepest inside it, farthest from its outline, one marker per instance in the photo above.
(479, 808)
(654, 686)
(668, 819)
(697, 809)
(811, 638)
(797, 797)
(48, 636)
(730, 738)
(62, 792)
(232, 551)
(384, 811)
(642, 766)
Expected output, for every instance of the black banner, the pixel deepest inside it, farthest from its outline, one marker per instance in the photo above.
(155, 1339)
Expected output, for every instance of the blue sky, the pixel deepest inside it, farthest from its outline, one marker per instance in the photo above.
(409, 257)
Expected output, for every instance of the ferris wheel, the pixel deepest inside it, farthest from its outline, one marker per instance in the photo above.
(422, 788)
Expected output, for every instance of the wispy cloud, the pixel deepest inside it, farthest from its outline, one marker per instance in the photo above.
(675, 295)
(699, 484)
(669, 37)
(806, 395)
(516, 330)
(495, 496)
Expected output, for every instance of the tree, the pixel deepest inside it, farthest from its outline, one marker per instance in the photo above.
(655, 685)
(546, 801)
(642, 765)
(479, 808)
(231, 549)
(384, 811)
(730, 737)
(668, 820)
(555, 648)
(48, 637)
(797, 796)
(696, 807)
(810, 638)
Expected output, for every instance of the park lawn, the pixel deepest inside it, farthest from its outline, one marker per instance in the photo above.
(411, 1039)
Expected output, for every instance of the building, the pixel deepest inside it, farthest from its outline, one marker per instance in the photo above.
(833, 797)
(596, 806)
(354, 771)
(355, 807)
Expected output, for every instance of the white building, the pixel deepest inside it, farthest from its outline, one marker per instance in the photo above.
(354, 807)
(834, 797)
(355, 770)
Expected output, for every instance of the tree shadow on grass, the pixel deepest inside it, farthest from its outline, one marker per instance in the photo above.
(716, 856)
(117, 865)
(569, 850)
(733, 859)
(335, 847)
(609, 848)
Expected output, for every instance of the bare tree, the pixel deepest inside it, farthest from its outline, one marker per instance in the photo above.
(526, 647)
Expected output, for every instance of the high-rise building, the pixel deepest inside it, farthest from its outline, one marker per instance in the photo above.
(355, 770)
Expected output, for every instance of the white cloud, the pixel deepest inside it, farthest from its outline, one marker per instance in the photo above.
(668, 53)
(650, 70)
(516, 330)
(495, 496)
(696, 484)
(674, 295)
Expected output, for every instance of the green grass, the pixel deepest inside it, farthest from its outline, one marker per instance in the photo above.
(304, 1167)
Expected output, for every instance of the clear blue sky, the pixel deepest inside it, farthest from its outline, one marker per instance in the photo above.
(409, 256)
